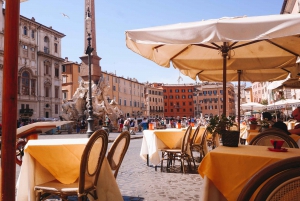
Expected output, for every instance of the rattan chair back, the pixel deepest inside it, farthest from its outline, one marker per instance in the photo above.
(195, 135)
(264, 138)
(186, 139)
(91, 160)
(204, 136)
(90, 166)
(117, 151)
(278, 181)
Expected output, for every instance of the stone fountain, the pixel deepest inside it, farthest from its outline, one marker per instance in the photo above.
(76, 109)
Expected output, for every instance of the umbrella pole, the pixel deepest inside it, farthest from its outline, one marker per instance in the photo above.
(224, 50)
(9, 100)
(239, 98)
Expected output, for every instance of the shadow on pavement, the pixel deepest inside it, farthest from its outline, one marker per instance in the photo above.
(129, 198)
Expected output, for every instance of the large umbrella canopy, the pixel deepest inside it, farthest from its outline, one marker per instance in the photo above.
(284, 104)
(257, 75)
(245, 43)
(292, 83)
(276, 84)
(252, 106)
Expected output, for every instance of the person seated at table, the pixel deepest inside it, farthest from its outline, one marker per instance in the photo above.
(144, 124)
(268, 116)
(282, 126)
(296, 116)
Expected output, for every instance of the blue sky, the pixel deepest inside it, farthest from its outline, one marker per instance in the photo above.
(114, 17)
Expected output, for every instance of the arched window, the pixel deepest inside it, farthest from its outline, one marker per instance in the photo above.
(25, 83)
(25, 30)
(46, 45)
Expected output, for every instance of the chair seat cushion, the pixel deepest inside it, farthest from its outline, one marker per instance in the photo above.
(58, 186)
(173, 150)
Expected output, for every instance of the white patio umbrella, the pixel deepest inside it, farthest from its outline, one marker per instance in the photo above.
(284, 104)
(253, 106)
(246, 43)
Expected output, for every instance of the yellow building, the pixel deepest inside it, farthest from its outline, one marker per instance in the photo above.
(127, 92)
(70, 78)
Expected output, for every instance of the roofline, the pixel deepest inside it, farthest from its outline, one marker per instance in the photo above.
(40, 25)
(43, 26)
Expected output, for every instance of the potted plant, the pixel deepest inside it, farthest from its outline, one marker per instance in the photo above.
(253, 123)
(221, 125)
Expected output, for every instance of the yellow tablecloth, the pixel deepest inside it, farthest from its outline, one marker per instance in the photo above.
(229, 168)
(67, 162)
(173, 138)
(46, 160)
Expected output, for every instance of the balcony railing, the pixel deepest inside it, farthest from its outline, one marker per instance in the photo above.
(26, 112)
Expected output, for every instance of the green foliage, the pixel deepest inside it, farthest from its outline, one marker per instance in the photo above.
(264, 123)
(217, 124)
(264, 102)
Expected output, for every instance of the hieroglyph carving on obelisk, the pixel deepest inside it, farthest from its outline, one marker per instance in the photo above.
(90, 28)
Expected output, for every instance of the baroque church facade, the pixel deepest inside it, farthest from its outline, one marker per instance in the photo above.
(39, 69)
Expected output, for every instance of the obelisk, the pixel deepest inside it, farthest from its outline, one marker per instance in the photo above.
(90, 28)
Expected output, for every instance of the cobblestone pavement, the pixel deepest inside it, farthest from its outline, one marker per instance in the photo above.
(137, 181)
(141, 182)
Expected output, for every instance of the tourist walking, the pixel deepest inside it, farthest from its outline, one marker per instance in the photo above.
(100, 123)
(127, 124)
(78, 125)
(121, 123)
(135, 125)
(82, 126)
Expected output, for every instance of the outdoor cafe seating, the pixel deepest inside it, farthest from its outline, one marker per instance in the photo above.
(59, 160)
(278, 181)
(155, 140)
(264, 138)
(201, 146)
(90, 165)
(182, 154)
(117, 151)
(226, 170)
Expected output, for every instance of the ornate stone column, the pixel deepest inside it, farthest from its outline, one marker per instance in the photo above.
(89, 5)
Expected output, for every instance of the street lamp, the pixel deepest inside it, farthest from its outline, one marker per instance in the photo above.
(89, 51)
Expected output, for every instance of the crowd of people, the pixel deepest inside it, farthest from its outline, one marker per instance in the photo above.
(279, 121)
(135, 125)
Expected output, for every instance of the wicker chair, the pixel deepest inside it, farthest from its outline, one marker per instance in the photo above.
(200, 146)
(278, 181)
(88, 175)
(117, 151)
(264, 138)
(193, 145)
(181, 154)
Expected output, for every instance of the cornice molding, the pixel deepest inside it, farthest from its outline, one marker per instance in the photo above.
(40, 53)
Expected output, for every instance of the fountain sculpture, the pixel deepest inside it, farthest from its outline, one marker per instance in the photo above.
(76, 109)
